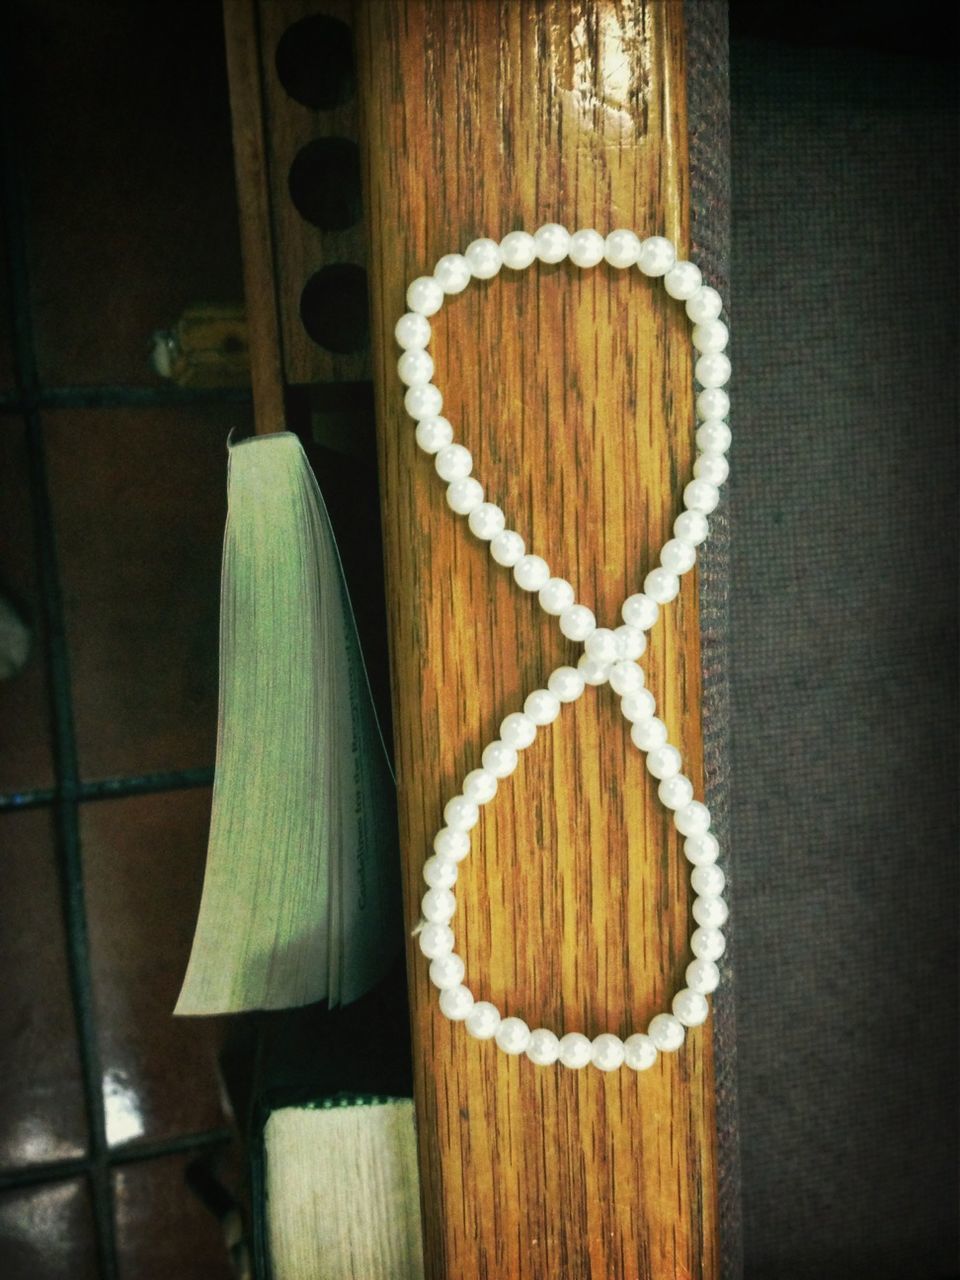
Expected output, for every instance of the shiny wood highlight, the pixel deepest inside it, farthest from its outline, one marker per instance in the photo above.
(574, 393)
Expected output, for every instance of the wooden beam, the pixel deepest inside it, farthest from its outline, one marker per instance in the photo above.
(574, 394)
(253, 204)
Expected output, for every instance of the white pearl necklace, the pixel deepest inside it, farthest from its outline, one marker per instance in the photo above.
(609, 655)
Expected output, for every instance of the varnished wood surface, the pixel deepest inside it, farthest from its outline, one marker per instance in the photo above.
(253, 205)
(573, 392)
(301, 248)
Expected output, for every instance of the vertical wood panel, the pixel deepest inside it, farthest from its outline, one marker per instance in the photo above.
(253, 205)
(302, 248)
(574, 394)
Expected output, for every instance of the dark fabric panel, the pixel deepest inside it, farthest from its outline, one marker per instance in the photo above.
(708, 111)
(843, 653)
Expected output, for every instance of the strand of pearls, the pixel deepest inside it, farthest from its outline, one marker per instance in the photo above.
(609, 655)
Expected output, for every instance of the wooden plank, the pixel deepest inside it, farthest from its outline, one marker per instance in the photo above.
(302, 248)
(574, 394)
(250, 161)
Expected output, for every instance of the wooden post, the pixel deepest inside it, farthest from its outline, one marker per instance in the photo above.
(574, 394)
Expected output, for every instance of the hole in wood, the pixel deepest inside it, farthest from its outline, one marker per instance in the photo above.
(314, 61)
(333, 308)
(324, 183)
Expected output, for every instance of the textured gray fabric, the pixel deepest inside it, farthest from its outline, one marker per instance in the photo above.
(708, 113)
(843, 643)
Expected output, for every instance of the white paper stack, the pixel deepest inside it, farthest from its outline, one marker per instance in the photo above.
(301, 893)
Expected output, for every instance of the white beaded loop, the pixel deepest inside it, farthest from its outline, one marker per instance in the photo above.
(610, 655)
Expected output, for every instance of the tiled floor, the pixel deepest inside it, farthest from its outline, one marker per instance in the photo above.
(141, 588)
(120, 211)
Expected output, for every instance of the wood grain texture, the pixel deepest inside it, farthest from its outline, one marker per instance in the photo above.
(253, 204)
(574, 394)
(301, 248)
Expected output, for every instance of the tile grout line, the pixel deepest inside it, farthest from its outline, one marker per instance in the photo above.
(102, 396)
(133, 1153)
(107, 789)
(65, 759)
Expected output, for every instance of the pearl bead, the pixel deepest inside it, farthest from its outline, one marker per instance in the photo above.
(412, 331)
(639, 1052)
(433, 434)
(577, 622)
(423, 401)
(518, 250)
(648, 734)
(702, 976)
(682, 280)
(602, 645)
(608, 654)
(451, 843)
(701, 495)
(689, 1007)
(480, 786)
(542, 706)
(556, 595)
(712, 370)
(712, 402)
(666, 1032)
(499, 758)
(575, 1050)
(484, 258)
(661, 585)
(438, 906)
(640, 611)
(552, 242)
(707, 943)
(415, 368)
(425, 296)
(447, 971)
(593, 670)
(638, 706)
(436, 940)
(486, 521)
(453, 462)
(507, 548)
(657, 255)
(632, 642)
(675, 792)
(713, 436)
(664, 762)
(483, 1020)
(517, 730)
(691, 527)
(704, 305)
(456, 1003)
(464, 496)
(586, 248)
(461, 814)
(677, 557)
(701, 850)
(565, 683)
(708, 881)
(440, 873)
(621, 248)
(693, 819)
(608, 1052)
(710, 337)
(544, 1047)
(625, 677)
(712, 467)
(712, 913)
(513, 1035)
(452, 272)
(530, 573)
